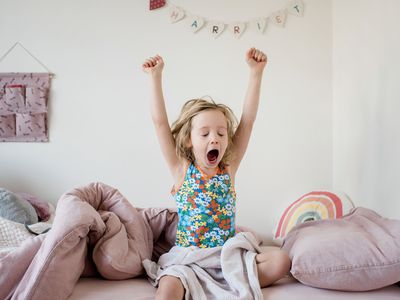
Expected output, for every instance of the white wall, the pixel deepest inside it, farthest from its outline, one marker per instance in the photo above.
(366, 63)
(99, 121)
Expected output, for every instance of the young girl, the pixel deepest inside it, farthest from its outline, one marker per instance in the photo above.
(203, 152)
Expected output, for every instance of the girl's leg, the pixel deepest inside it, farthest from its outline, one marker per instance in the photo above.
(272, 266)
(169, 288)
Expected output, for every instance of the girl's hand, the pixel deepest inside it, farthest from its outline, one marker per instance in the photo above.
(256, 59)
(153, 65)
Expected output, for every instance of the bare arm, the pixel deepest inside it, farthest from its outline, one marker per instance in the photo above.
(153, 66)
(256, 60)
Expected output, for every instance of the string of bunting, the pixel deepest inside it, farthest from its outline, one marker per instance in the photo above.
(216, 28)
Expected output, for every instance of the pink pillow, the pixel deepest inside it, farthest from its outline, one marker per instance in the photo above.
(42, 208)
(359, 252)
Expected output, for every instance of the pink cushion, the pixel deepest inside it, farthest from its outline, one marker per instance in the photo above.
(359, 252)
(42, 208)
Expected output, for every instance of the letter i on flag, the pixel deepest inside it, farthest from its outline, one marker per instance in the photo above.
(154, 4)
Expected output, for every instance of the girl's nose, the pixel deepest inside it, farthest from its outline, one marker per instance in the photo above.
(214, 140)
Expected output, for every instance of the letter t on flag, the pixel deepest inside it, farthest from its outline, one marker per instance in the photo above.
(154, 4)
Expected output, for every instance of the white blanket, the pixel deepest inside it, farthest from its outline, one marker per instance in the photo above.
(227, 272)
(12, 234)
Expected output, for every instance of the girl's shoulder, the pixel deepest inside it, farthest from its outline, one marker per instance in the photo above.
(179, 176)
(229, 170)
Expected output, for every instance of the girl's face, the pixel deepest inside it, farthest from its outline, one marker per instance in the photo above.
(209, 138)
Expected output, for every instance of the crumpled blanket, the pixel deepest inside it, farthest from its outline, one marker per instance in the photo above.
(96, 232)
(227, 272)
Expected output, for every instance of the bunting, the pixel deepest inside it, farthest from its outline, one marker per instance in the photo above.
(215, 27)
(154, 4)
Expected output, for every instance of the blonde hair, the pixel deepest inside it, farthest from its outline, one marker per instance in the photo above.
(182, 127)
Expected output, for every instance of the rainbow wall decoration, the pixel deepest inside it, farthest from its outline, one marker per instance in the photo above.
(316, 205)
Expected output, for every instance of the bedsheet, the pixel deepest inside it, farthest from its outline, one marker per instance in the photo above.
(284, 289)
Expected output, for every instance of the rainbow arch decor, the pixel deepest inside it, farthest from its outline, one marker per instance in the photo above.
(313, 206)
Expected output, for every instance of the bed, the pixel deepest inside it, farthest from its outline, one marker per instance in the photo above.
(285, 289)
(376, 264)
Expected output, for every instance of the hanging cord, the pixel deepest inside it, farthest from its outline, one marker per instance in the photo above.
(27, 51)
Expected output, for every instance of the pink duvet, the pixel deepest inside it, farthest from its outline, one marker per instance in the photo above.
(96, 231)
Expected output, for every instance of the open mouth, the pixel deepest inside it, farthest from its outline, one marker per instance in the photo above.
(212, 156)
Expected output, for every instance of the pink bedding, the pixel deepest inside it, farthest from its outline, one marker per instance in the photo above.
(95, 220)
(285, 289)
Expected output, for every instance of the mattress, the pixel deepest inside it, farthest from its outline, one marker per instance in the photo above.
(284, 289)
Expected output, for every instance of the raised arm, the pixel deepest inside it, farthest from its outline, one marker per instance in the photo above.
(257, 61)
(154, 66)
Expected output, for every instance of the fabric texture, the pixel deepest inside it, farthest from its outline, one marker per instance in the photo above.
(359, 252)
(224, 272)
(12, 234)
(96, 232)
(154, 4)
(206, 208)
(16, 209)
(41, 207)
(285, 289)
(23, 107)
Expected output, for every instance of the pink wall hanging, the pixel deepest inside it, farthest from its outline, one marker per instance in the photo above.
(23, 104)
(23, 107)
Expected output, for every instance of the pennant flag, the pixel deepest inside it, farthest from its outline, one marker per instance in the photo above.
(196, 23)
(279, 18)
(296, 7)
(259, 25)
(238, 29)
(154, 4)
(176, 14)
(216, 28)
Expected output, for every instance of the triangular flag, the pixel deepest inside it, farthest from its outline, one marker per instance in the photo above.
(154, 4)
(296, 7)
(216, 28)
(176, 14)
(279, 18)
(196, 23)
(259, 25)
(238, 28)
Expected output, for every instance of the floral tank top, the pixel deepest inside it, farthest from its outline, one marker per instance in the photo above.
(206, 208)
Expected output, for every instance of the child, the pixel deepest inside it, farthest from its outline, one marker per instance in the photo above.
(203, 152)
